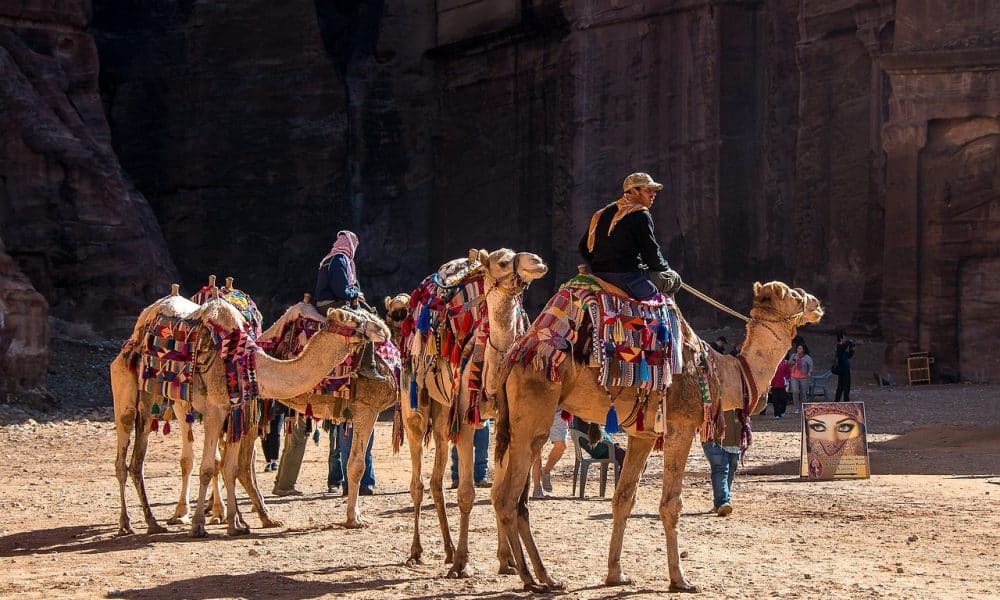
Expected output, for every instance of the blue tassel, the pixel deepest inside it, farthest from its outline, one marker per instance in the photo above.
(662, 333)
(189, 418)
(316, 436)
(611, 424)
(413, 392)
(609, 348)
(643, 368)
(424, 322)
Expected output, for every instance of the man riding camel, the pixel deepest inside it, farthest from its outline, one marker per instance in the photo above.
(620, 246)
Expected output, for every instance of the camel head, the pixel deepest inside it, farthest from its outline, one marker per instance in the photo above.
(774, 300)
(512, 271)
(362, 325)
(396, 307)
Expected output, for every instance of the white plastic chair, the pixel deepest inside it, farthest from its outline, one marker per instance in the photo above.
(583, 461)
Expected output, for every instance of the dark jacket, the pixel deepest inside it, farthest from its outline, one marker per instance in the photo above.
(845, 350)
(331, 282)
(630, 245)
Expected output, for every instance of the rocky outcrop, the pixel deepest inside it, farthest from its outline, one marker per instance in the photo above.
(70, 220)
(24, 334)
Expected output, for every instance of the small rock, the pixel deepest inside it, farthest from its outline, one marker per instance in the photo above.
(253, 552)
(912, 538)
(807, 576)
(899, 569)
(684, 554)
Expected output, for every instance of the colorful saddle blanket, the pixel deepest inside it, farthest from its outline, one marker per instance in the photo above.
(448, 318)
(633, 344)
(240, 300)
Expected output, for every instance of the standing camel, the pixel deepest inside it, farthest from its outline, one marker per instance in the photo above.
(343, 331)
(443, 396)
(528, 398)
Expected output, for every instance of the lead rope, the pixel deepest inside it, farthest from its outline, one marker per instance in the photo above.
(713, 302)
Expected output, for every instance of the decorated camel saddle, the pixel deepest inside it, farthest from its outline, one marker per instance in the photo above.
(329, 399)
(448, 320)
(176, 338)
(633, 344)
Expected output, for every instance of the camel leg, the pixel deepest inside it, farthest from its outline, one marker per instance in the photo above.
(182, 513)
(439, 421)
(466, 498)
(622, 503)
(248, 479)
(142, 423)
(364, 424)
(125, 393)
(416, 425)
(230, 464)
(509, 498)
(505, 558)
(218, 511)
(524, 526)
(676, 445)
(213, 418)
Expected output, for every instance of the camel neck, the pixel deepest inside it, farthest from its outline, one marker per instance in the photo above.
(282, 379)
(503, 325)
(763, 350)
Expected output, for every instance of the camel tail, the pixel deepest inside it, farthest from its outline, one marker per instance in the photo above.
(503, 422)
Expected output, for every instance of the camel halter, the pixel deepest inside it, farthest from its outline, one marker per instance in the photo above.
(713, 302)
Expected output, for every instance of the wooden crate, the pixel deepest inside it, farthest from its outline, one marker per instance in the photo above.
(918, 367)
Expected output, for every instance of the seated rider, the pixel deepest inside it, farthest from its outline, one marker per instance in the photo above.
(337, 287)
(620, 246)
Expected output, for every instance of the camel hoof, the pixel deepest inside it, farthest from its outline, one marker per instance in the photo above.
(683, 587)
(554, 586)
(179, 520)
(507, 570)
(535, 588)
(238, 530)
(155, 528)
(414, 561)
(199, 531)
(269, 523)
(458, 571)
(355, 524)
(217, 520)
(122, 531)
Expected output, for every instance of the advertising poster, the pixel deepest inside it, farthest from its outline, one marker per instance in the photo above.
(834, 441)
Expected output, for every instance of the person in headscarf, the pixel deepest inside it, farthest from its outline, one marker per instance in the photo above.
(620, 246)
(337, 287)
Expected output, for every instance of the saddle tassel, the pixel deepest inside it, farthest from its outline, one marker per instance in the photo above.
(643, 368)
(424, 322)
(640, 419)
(166, 428)
(413, 392)
(611, 423)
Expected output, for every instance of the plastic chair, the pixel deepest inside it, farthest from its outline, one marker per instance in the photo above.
(583, 461)
(818, 383)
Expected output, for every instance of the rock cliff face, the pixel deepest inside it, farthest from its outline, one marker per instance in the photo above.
(845, 146)
(72, 223)
(24, 333)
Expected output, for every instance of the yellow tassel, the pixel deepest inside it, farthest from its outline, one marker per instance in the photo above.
(618, 332)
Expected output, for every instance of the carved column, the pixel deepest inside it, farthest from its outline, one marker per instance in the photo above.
(901, 284)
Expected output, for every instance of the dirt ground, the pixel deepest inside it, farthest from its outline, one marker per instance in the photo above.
(924, 525)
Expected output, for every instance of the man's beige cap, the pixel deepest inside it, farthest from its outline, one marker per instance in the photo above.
(640, 180)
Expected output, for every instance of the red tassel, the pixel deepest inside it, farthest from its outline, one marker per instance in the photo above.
(640, 419)
(190, 435)
(166, 428)
(155, 425)
(658, 446)
(309, 410)
(566, 416)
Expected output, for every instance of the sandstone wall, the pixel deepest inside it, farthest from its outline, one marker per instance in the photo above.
(24, 332)
(70, 218)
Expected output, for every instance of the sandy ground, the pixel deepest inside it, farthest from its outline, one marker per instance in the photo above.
(925, 525)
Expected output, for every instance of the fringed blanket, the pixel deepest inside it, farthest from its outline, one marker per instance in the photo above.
(168, 355)
(633, 344)
(239, 299)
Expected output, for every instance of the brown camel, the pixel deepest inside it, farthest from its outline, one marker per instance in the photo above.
(343, 331)
(506, 275)
(528, 399)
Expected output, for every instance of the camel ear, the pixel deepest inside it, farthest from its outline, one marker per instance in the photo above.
(388, 301)
(473, 254)
(484, 256)
(782, 291)
(756, 287)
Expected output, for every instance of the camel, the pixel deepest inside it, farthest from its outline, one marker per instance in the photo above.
(528, 398)
(506, 275)
(343, 331)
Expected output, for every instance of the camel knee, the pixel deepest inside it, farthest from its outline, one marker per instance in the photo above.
(670, 509)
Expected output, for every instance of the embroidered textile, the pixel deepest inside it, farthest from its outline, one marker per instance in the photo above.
(633, 344)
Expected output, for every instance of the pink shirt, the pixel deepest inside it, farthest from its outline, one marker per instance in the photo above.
(782, 373)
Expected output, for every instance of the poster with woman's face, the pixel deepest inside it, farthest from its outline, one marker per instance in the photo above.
(834, 444)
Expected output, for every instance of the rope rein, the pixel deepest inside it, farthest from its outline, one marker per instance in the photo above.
(713, 302)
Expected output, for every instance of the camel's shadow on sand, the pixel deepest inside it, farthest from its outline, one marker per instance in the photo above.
(97, 539)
